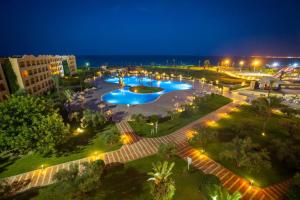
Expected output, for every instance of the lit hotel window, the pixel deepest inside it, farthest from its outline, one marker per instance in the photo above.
(24, 74)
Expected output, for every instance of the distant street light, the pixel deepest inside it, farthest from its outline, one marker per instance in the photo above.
(241, 63)
(255, 63)
(275, 64)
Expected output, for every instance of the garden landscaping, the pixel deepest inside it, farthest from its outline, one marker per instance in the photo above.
(264, 149)
(145, 89)
(144, 126)
(77, 147)
(194, 72)
(130, 182)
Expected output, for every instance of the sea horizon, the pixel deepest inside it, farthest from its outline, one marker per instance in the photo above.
(150, 60)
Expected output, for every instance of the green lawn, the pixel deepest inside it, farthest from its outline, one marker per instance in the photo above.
(77, 147)
(248, 123)
(169, 126)
(209, 75)
(145, 89)
(130, 182)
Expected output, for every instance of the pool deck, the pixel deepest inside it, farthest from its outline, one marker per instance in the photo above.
(161, 106)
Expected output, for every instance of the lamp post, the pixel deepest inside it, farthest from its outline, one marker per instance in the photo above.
(241, 63)
(255, 64)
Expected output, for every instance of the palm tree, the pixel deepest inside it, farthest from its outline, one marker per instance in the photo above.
(247, 154)
(55, 79)
(68, 95)
(221, 193)
(265, 106)
(270, 87)
(163, 187)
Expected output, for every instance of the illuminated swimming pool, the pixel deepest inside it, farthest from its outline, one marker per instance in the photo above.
(125, 96)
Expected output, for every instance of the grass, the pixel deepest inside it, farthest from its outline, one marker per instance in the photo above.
(166, 127)
(209, 75)
(145, 89)
(247, 122)
(131, 183)
(78, 147)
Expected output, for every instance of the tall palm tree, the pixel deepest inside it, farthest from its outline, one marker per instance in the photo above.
(55, 79)
(68, 95)
(265, 106)
(163, 187)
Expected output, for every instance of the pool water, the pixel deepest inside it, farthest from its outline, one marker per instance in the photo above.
(125, 96)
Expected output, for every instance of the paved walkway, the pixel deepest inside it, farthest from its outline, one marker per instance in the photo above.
(136, 147)
(232, 181)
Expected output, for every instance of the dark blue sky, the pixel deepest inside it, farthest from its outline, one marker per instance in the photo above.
(165, 27)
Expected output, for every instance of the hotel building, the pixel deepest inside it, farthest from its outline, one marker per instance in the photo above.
(4, 91)
(34, 73)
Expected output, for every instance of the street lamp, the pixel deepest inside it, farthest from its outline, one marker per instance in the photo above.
(255, 63)
(241, 63)
(227, 62)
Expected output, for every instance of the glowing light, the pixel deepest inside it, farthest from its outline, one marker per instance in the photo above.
(263, 134)
(242, 63)
(235, 109)
(295, 65)
(227, 61)
(190, 134)
(275, 64)
(217, 82)
(277, 112)
(96, 156)
(126, 139)
(78, 131)
(212, 124)
(224, 115)
(256, 62)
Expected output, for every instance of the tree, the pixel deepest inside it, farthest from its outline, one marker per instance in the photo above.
(92, 119)
(206, 63)
(162, 185)
(220, 193)
(80, 184)
(112, 137)
(166, 151)
(294, 190)
(264, 106)
(203, 138)
(246, 154)
(34, 125)
(68, 97)
(207, 185)
(55, 79)
(64, 175)
(11, 77)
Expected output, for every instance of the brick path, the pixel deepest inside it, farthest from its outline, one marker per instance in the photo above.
(231, 181)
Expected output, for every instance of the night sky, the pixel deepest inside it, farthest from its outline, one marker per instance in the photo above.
(165, 27)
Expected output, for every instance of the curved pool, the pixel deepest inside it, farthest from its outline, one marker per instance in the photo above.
(125, 96)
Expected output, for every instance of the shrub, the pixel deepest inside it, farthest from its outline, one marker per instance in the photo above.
(166, 151)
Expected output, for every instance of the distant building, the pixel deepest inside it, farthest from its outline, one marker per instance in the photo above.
(34, 73)
(4, 91)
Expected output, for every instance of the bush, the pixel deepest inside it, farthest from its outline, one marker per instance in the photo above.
(112, 137)
(166, 151)
(92, 119)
